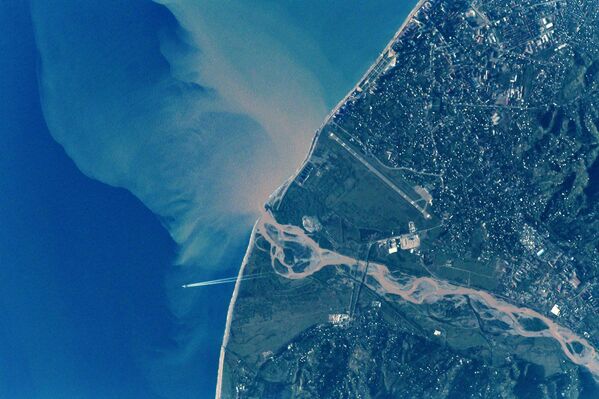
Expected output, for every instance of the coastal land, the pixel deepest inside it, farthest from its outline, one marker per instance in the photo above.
(440, 238)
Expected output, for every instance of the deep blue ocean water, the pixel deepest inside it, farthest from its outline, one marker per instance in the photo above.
(82, 264)
(84, 313)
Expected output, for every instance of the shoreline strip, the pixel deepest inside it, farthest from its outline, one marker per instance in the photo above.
(223, 347)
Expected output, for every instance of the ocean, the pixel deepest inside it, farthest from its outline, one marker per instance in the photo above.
(89, 276)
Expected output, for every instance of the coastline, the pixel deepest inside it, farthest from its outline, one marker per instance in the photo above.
(221, 359)
(280, 192)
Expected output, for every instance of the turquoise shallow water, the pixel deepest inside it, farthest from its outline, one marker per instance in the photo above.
(350, 35)
(88, 290)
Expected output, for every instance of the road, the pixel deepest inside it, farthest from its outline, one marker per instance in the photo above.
(381, 176)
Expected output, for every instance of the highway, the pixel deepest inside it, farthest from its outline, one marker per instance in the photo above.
(378, 174)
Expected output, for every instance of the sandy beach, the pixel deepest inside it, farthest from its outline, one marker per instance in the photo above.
(221, 359)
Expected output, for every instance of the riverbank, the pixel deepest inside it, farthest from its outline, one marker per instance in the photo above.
(416, 290)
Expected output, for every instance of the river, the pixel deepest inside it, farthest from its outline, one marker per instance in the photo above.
(418, 291)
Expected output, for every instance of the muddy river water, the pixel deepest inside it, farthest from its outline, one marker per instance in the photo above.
(415, 290)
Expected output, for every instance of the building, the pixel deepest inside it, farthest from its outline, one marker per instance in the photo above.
(393, 247)
(409, 241)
